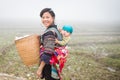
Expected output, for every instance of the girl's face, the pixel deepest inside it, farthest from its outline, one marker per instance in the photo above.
(47, 19)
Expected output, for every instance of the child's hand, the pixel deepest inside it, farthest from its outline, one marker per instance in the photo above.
(60, 29)
(56, 41)
(58, 57)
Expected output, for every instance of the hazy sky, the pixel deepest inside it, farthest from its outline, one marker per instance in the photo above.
(99, 11)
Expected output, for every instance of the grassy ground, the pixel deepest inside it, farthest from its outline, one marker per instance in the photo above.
(91, 57)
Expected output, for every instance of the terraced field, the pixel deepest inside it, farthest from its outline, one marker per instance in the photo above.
(92, 56)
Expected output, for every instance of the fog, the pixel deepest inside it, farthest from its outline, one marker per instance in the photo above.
(79, 13)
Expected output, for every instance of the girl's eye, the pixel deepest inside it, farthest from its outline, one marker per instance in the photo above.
(43, 17)
(47, 17)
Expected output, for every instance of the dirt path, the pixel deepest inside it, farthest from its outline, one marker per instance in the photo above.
(10, 77)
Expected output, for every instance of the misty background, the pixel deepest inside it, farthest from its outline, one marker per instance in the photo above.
(83, 15)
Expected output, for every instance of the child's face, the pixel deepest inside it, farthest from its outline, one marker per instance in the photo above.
(65, 33)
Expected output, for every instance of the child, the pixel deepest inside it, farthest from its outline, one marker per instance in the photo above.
(62, 52)
(66, 31)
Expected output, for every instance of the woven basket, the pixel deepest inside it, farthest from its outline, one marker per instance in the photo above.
(28, 49)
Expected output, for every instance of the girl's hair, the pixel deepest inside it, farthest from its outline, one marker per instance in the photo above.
(47, 10)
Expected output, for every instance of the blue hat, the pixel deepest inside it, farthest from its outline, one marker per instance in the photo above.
(68, 28)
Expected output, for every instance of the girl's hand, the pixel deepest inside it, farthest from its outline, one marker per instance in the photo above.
(39, 73)
(41, 46)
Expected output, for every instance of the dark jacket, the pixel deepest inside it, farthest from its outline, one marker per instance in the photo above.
(48, 40)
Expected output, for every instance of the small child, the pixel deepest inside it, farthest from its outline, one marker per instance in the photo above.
(62, 52)
(66, 31)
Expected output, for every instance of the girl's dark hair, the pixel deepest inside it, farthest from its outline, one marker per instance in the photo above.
(47, 10)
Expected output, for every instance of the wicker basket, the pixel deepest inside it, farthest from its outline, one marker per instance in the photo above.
(28, 49)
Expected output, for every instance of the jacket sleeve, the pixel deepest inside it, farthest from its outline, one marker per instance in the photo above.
(64, 42)
(49, 42)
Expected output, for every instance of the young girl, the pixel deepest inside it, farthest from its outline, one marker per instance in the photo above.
(48, 39)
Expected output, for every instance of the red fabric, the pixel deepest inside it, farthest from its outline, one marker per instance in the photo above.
(54, 60)
(58, 59)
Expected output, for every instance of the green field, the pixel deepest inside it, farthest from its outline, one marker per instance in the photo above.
(92, 56)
